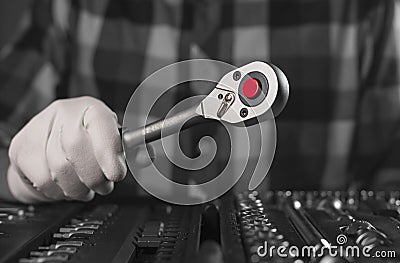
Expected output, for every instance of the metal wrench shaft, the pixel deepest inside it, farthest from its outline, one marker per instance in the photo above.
(162, 128)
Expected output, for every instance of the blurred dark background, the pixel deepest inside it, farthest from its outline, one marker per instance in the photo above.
(11, 17)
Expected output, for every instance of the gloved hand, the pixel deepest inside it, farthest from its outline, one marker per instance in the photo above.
(70, 150)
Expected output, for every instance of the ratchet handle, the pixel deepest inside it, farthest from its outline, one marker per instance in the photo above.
(162, 128)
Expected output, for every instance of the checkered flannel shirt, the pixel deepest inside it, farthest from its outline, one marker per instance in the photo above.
(340, 126)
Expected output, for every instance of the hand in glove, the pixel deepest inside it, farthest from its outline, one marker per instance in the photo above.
(70, 150)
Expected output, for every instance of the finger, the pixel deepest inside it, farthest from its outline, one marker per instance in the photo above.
(77, 149)
(21, 190)
(29, 156)
(62, 170)
(102, 128)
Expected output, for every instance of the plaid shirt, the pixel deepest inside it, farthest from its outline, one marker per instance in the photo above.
(340, 126)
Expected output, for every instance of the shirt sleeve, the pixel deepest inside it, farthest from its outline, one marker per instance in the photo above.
(30, 69)
(376, 162)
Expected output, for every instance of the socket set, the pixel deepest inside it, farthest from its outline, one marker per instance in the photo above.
(98, 232)
(333, 225)
(72, 236)
(249, 227)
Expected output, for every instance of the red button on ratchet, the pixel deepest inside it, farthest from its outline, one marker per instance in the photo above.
(251, 88)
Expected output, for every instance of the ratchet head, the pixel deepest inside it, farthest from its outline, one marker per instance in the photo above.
(247, 93)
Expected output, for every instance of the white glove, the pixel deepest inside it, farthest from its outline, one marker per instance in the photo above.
(70, 150)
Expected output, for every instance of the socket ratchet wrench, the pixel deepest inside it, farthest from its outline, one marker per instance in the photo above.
(242, 95)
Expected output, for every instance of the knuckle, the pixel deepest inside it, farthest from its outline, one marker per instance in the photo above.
(59, 107)
(85, 97)
(88, 99)
(58, 104)
(95, 111)
(98, 109)
(73, 145)
(92, 102)
(54, 104)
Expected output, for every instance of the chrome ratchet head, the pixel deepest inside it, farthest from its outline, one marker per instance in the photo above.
(251, 91)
